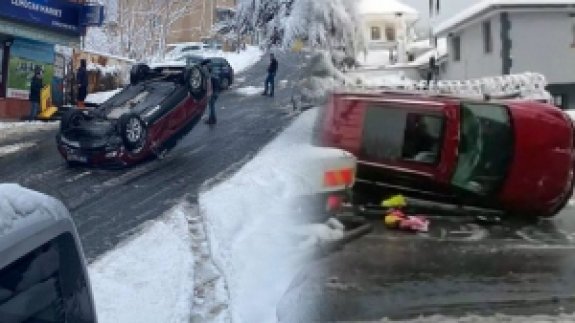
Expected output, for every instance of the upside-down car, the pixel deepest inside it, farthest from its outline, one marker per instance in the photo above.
(143, 120)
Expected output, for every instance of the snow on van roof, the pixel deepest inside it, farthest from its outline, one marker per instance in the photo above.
(485, 5)
(366, 7)
(20, 206)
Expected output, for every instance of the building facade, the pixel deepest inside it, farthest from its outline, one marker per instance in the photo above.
(29, 30)
(198, 23)
(507, 37)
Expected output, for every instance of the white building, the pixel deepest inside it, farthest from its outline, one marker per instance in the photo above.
(387, 25)
(500, 37)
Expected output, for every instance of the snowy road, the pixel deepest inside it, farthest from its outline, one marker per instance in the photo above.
(108, 206)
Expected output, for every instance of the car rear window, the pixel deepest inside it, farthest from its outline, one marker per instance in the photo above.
(394, 134)
(46, 285)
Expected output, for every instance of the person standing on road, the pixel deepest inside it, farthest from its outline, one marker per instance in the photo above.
(270, 80)
(36, 86)
(82, 83)
(212, 120)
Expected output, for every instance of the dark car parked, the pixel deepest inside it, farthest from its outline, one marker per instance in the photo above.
(147, 118)
(220, 67)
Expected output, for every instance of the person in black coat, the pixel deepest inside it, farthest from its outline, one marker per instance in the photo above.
(270, 80)
(82, 82)
(36, 86)
(212, 120)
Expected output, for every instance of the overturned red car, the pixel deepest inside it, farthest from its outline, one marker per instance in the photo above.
(515, 156)
(143, 120)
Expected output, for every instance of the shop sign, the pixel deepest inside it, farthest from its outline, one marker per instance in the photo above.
(55, 14)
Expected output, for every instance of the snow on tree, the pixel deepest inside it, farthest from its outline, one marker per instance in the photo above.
(322, 24)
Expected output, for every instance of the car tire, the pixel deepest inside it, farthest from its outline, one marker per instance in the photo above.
(196, 82)
(71, 119)
(225, 83)
(133, 131)
(138, 73)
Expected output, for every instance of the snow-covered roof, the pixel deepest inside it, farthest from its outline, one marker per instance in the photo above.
(385, 7)
(486, 5)
(120, 58)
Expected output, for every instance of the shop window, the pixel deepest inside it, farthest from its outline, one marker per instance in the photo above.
(375, 33)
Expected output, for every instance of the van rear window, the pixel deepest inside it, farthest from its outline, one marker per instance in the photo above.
(46, 285)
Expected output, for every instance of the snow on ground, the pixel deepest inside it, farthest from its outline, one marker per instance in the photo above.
(250, 90)
(12, 129)
(101, 97)
(242, 60)
(250, 222)
(10, 149)
(149, 278)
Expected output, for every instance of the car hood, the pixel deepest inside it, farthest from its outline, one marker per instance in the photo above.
(542, 164)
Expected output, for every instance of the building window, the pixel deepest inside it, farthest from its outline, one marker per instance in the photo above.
(375, 33)
(456, 44)
(390, 33)
(487, 39)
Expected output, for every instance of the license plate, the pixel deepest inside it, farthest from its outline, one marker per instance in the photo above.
(76, 158)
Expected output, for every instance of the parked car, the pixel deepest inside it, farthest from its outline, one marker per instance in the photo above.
(145, 119)
(43, 275)
(515, 156)
(220, 67)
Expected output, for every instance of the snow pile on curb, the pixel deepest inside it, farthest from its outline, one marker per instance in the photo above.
(12, 129)
(242, 60)
(250, 225)
(101, 97)
(149, 278)
(10, 149)
(250, 90)
(20, 206)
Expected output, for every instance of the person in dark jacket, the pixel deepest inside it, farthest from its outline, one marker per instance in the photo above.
(212, 120)
(270, 80)
(82, 82)
(35, 89)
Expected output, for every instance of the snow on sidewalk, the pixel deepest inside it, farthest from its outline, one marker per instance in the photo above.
(250, 90)
(12, 129)
(250, 225)
(101, 97)
(149, 277)
(242, 60)
(10, 149)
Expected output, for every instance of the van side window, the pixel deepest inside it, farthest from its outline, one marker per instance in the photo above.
(46, 285)
(395, 134)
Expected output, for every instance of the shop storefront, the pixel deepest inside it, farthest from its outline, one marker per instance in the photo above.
(29, 31)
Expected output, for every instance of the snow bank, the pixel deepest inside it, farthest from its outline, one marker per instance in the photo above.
(250, 222)
(242, 60)
(148, 278)
(20, 207)
(101, 97)
(250, 90)
(12, 129)
(571, 114)
(10, 149)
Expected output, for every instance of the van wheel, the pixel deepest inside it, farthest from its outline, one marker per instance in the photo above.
(133, 131)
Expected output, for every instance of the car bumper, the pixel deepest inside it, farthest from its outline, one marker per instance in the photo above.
(97, 156)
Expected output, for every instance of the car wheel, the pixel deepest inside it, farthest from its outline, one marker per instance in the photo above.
(71, 119)
(224, 83)
(133, 131)
(197, 82)
(138, 73)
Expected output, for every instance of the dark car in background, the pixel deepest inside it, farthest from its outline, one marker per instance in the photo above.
(219, 66)
(143, 120)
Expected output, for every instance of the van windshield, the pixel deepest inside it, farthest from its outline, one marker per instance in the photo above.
(485, 148)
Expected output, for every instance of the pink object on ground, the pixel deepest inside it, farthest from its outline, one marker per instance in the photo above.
(414, 223)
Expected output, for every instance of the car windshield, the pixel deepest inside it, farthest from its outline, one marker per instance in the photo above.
(485, 148)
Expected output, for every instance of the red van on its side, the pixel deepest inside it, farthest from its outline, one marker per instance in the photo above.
(515, 156)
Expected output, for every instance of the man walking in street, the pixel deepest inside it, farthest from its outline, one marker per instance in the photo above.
(212, 120)
(82, 82)
(270, 80)
(35, 89)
